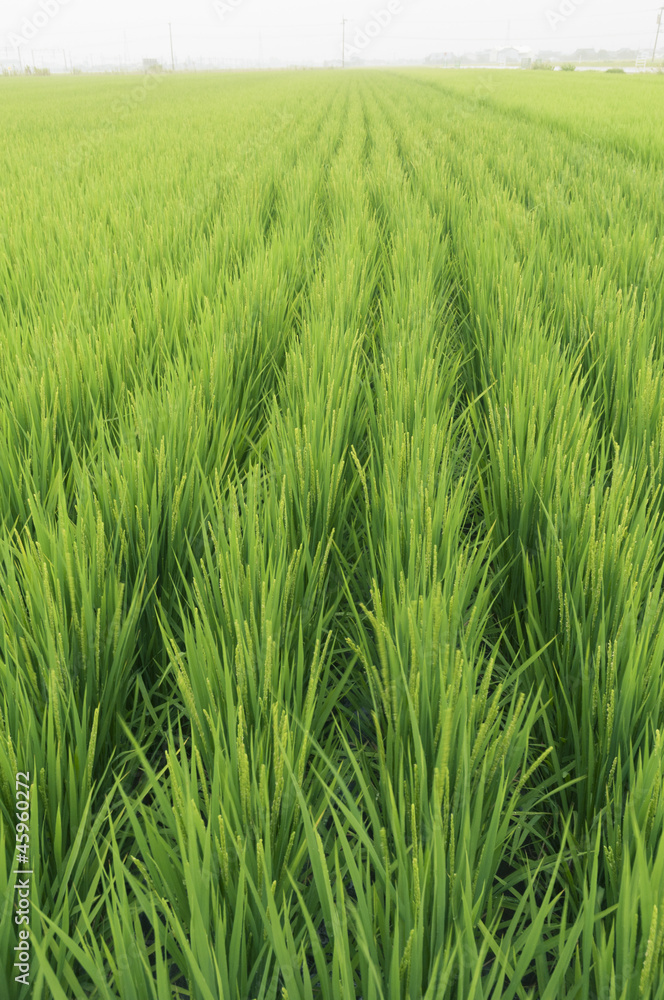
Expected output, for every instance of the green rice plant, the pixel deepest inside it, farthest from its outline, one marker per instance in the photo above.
(68, 650)
(330, 535)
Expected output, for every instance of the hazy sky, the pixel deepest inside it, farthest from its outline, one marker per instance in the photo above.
(310, 31)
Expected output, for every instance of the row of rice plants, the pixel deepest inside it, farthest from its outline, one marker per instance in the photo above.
(581, 545)
(87, 567)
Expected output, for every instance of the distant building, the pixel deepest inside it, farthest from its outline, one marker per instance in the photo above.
(514, 56)
(442, 59)
(10, 64)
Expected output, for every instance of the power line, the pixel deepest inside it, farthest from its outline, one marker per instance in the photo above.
(437, 36)
(233, 23)
(530, 38)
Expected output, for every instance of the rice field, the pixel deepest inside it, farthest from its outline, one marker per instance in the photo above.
(332, 537)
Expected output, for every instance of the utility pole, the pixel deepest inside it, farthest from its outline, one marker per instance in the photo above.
(343, 44)
(659, 25)
(170, 31)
